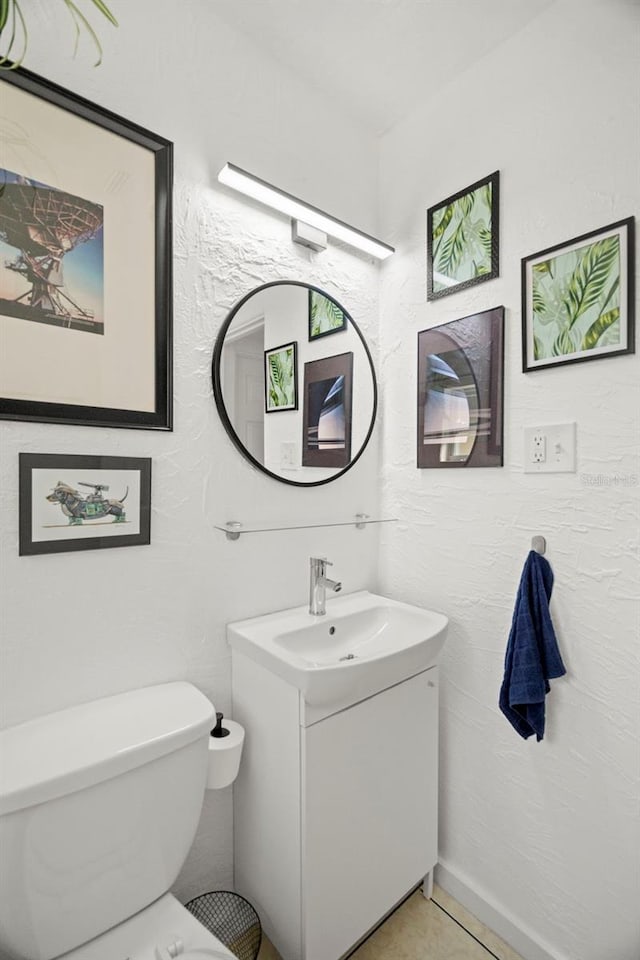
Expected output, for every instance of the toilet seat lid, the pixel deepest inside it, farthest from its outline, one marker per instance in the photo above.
(162, 930)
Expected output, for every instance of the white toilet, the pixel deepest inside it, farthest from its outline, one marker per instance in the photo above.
(99, 805)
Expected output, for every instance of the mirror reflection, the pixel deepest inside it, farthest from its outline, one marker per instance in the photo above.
(451, 405)
(294, 383)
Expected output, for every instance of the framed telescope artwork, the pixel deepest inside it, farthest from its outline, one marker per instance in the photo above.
(85, 261)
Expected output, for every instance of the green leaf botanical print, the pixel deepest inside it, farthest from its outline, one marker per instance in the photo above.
(575, 300)
(462, 239)
(281, 387)
(325, 315)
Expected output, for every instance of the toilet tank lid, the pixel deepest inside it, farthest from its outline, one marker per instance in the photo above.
(76, 748)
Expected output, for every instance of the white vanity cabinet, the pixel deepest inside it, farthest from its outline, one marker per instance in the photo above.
(335, 818)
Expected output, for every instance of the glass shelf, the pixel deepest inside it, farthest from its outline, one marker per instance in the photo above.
(233, 529)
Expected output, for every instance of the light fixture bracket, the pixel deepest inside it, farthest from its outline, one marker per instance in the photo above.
(308, 236)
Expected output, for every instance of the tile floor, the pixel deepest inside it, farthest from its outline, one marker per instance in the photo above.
(438, 929)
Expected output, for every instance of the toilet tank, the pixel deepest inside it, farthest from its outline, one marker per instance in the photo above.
(99, 805)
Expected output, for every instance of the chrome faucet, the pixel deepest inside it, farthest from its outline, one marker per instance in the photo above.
(318, 583)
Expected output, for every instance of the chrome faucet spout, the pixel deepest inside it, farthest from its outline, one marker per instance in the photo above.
(318, 585)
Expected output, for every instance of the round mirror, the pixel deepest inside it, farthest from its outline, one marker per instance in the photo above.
(294, 383)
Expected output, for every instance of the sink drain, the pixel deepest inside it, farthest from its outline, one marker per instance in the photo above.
(349, 656)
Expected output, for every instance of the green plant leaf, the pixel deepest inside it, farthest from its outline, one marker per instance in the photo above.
(439, 229)
(281, 378)
(590, 276)
(452, 251)
(599, 327)
(275, 388)
(78, 20)
(4, 14)
(537, 348)
(442, 219)
(486, 239)
(465, 204)
(11, 8)
(104, 10)
(7, 62)
(543, 267)
(563, 344)
(539, 303)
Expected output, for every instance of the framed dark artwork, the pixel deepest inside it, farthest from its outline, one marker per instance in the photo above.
(578, 299)
(460, 392)
(83, 503)
(85, 261)
(463, 238)
(326, 431)
(325, 315)
(281, 378)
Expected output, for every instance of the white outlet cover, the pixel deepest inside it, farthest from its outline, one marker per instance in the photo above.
(560, 448)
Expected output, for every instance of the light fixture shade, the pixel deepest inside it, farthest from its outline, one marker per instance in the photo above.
(238, 179)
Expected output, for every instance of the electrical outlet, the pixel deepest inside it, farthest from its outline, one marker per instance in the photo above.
(539, 448)
(550, 449)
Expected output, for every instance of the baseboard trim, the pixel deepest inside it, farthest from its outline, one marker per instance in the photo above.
(523, 940)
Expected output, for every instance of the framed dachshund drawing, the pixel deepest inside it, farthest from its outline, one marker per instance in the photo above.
(83, 503)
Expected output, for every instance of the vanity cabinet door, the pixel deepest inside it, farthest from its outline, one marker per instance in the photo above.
(369, 812)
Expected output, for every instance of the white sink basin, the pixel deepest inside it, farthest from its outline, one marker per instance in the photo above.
(363, 644)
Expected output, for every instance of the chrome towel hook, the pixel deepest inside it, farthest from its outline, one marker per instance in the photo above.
(539, 544)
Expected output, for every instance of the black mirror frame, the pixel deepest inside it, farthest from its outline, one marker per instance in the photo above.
(222, 410)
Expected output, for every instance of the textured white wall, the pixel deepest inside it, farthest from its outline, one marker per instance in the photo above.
(85, 625)
(546, 833)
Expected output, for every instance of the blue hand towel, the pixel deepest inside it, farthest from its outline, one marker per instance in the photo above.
(532, 656)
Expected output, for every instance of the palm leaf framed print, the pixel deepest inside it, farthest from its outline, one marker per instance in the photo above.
(578, 299)
(325, 315)
(281, 378)
(463, 238)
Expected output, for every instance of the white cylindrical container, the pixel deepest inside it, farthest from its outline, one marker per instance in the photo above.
(225, 750)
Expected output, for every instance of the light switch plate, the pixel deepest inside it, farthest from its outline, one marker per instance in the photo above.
(550, 448)
(288, 455)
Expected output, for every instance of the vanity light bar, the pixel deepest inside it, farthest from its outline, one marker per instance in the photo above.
(232, 176)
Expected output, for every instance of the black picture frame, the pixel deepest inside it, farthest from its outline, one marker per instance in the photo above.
(597, 272)
(146, 287)
(456, 209)
(321, 378)
(293, 346)
(339, 316)
(84, 513)
(460, 395)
